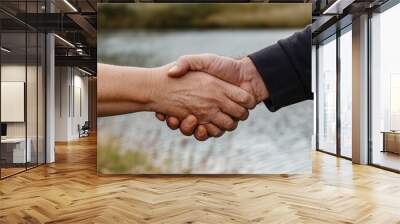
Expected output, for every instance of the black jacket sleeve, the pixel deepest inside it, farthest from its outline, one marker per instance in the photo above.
(286, 69)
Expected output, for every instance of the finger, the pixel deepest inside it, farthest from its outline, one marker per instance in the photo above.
(188, 125)
(173, 123)
(160, 116)
(186, 63)
(224, 122)
(240, 96)
(225, 68)
(213, 131)
(201, 133)
(181, 66)
(234, 110)
(178, 70)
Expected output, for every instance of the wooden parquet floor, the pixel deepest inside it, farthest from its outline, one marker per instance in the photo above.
(69, 191)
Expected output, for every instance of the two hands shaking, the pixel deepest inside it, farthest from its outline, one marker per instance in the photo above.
(232, 88)
(207, 94)
(203, 94)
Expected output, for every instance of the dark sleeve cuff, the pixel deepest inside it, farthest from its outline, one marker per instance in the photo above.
(279, 76)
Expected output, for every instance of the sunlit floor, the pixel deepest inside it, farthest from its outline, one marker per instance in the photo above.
(8, 171)
(386, 159)
(70, 191)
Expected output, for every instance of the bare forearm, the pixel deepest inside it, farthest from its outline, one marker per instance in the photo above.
(124, 90)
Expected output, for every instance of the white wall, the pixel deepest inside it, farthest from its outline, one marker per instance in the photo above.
(33, 126)
(79, 117)
(62, 81)
(12, 100)
(12, 73)
(70, 83)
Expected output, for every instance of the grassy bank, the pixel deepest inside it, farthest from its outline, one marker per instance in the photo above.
(201, 16)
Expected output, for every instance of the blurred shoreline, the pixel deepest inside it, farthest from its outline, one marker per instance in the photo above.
(178, 16)
(172, 30)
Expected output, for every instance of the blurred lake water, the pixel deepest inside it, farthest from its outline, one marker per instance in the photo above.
(266, 143)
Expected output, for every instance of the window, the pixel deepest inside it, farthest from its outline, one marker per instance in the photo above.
(346, 93)
(385, 89)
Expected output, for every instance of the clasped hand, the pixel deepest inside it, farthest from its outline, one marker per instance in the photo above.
(204, 95)
(212, 93)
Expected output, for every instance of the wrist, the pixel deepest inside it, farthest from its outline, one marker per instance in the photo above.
(157, 81)
(137, 86)
(249, 71)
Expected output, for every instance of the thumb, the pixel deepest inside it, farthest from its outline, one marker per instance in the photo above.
(186, 63)
(180, 68)
(225, 68)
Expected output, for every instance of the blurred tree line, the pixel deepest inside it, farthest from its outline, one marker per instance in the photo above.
(192, 16)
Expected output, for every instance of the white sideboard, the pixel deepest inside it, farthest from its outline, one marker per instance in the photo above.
(18, 145)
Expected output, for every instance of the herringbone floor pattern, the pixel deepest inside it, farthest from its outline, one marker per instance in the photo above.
(69, 191)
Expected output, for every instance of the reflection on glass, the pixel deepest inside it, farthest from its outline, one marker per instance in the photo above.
(327, 96)
(395, 102)
(22, 91)
(385, 95)
(345, 94)
(14, 153)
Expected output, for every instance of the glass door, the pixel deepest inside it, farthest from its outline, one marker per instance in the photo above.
(14, 153)
(22, 67)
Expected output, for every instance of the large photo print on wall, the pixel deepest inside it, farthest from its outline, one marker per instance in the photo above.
(182, 89)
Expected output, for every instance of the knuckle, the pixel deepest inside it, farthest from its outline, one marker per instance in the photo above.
(190, 121)
(244, 114)
(242, 111)
(219, 134)
(171, 126)
(231, 125)
(202, 113)
(211, 129)
(241, 97)
(216, 132)
(201, 134)
(172, 123)
(183, 58)
(200, 137)
(253, 103)
(186, 127)
(246, 98)
(185, 131)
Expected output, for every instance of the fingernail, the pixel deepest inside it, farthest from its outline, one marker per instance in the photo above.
(174, 69)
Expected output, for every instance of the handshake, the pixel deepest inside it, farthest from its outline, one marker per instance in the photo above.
(209, 94)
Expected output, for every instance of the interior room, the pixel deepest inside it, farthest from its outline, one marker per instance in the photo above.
(45, 88)
(335, 81)
(22, 100)
(385, 89)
